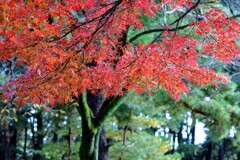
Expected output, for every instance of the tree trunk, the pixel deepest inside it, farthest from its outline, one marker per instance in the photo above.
(94, 111)
(7, 141)
(173, 140)
(94, 142)
(89, 145)
(55, 137)
(221, 151)
(1, 143)
(93, 145)
(103, 145)
(39, 142)
(209, 151)
(25, 140)
(180, 135)
(69, 143)
(192, 131)
(13, 144)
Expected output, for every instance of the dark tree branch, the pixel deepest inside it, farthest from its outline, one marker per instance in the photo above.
(189, 10)
(106, 111)
(85, 111)
(172, 29)
(156, 30)
(235, 16)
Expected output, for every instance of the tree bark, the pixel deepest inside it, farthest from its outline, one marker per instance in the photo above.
(69, 143)
(25, 140)
(179, 135)
(209, 151)
(55, 137)
(94, 142)
(39, 142)
(221, 151)
(94, 111)
(192, 131)
(1, 143)
(103, 145)
(7, 141)
(173, 140)
(89, 145)
(13, 144)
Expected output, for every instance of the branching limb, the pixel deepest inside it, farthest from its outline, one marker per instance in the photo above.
(171, 29)
(106, 111)
(156, 30)
(85, 111)
(189, 10)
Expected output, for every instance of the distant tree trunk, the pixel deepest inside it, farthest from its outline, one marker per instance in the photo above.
(1, 143)
(209, 151)
(192, 131)
(25, 140)
(179, 135)
(187, 127)
(173, 140)
(221, 151)
(13, 144)
(164, 132)
(7, 141)
(39, 142)
(69, 143)
(55, 137)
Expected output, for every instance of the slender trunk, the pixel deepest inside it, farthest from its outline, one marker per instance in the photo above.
(125, 135)
(192, 131)
(103, 145)
(33, 131)
(221, 151)
(1, 142)
(164, 132)
(39, 142)
(7, 141)
(69, 143)
(13, 144)
(55, 137)
(174, 141)
(179, 135)
(173, 133)
(25, 140)
(187, 128)
(209, 151)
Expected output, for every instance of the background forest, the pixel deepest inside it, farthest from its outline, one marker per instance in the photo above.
(144, 127)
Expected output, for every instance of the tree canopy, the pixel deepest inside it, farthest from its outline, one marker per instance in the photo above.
(70, 46)
(88, 54)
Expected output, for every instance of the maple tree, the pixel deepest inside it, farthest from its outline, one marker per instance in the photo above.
(81, 50)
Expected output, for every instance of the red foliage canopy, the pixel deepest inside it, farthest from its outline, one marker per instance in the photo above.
(97, 57)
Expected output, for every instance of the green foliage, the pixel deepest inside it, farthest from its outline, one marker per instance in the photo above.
(142, 146)
(190, 151)
(132, 131)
